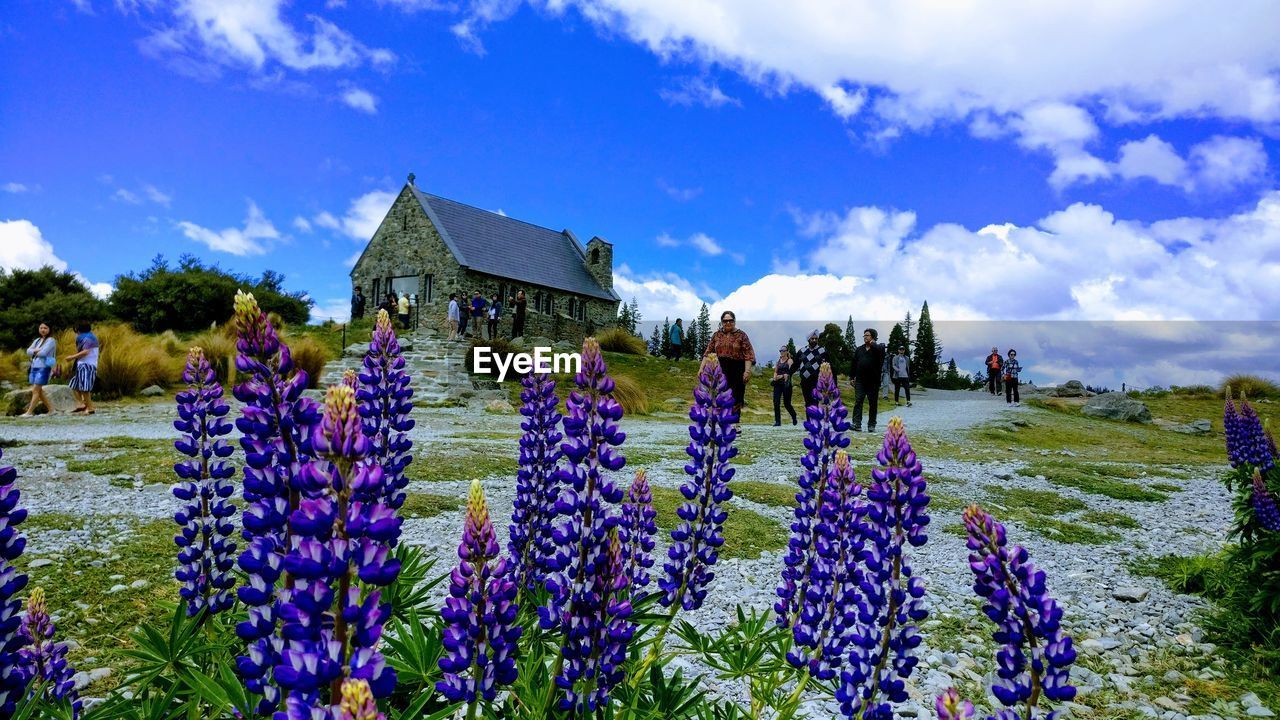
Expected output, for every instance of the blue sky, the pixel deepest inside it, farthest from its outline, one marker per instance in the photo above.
(792, 160)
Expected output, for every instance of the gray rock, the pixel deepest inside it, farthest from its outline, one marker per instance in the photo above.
(152, 391)
(1259, 711)
(498, 406)
(42, 562)
(1195, 427)
(1070, 388)
(15, 401)
(1117, 406)
(139, 584)
(1250, 699)
(117, 588)
(1130, 594)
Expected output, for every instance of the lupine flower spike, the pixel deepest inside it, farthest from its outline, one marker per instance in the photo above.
(357, 702)
(1252, 448)
(589, 508)
(480, 614)
(206, 552)
(827, 622)
(1028, 621)
(826, 422)
(276, 425)
(385, 403)
(12, 543)
(950, 706)
(1264, 505)
(537, 485)
(892, 596)
(697, 539)
(639, 525)
(45, 661)
(1231, 428)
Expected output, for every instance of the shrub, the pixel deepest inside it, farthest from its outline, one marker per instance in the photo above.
(1195, 391)
(11, 367)
(1250, 386)
(45, 295)
(630, 395)
(194, 296)
(309, 355)
(620, 341)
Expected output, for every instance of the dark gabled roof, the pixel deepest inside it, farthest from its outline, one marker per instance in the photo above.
(498, 245)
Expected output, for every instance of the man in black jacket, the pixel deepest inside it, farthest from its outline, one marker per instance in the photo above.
(807, 366)
(868, 361)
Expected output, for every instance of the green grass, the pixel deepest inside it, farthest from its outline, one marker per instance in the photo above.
(73, 582)
(1062, 530)
(1097, 479)
(747, 534)
(150, 460)
(945, 501)
(425, 505)
(956, 530)
(463, 463)
(37, 522)
(1041, 501)
(1108, 518)
(121, 442)
(765, 493)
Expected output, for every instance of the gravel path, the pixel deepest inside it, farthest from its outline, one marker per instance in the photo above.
(1123, 636)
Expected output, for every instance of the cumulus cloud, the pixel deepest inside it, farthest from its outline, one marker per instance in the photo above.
(257, 236)
(23, 247)
(363, 216)
(301, 224)
(703, 243)
(335, 309)
(1217, 164)
(362, 100)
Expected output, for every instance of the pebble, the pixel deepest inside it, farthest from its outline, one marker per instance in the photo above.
(117, 588)
(42, 562)
(1130, 594)
(1259, 711)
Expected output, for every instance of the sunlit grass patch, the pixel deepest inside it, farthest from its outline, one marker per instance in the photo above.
(150, 461)
(1042, 501)
(765, 493)
(1109, 518)
(747, 534)
(425, 505)
(1098, 479)
(463, 463)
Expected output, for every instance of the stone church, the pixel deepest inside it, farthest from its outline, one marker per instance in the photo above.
(429, 247)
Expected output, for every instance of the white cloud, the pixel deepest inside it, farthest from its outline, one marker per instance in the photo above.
(706, 244)
(256, 237)
(363, 216)
(155, 196)
(1224, 162)
(697, 91)
(335, 309)
(23, 247)
(14, 187)
(205, 35)
(361, 100)
(1151, 158)
(1219, 163)
(101, 290)
(665, 240)
(301, 224)
(127, 196)
(677, 193)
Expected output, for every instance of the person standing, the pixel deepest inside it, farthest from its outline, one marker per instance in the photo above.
(43, 352)
(675, 340)
(1011, 371)
(495, 314)
(453, 317)
(868, 360)
(477, 312)
(86, 357)
(782, 371)
(886, 374)
(402, 311)
(733, 348)
(517, 318)
(994, 362)
(357, 305)
(811, 359)
(901, 375)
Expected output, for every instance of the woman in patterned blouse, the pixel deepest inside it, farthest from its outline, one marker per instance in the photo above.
(733, 348)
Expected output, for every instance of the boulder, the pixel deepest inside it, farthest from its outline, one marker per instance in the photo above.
(564, 346)
(1117, 406)
(1195, 427)
(539, 341)
(1130, 594)
(1070, 388)
(15, 401)
(152, 391)
(499, 406)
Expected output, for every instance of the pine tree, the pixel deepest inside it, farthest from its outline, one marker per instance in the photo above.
(928, 353)
(851, 338)
(840, 354)
(664, 345)
(791, 347)
(906, 329)
(624, 318)
(691, 347)
(655, 341)
(635, 317)
(897, 339)
(705, 328)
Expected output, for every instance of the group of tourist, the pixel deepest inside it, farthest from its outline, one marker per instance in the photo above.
(397, 307)
(82, 375)
(484, 312)
(1003, 372)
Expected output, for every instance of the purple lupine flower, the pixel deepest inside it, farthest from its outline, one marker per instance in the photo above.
(480, 614)
(638, 527)
(12, 679)
(385, 399)
(1253, 448)
(828, 617)
(1231, 428)
(1026, 618)
(45, 661)
(589, 511)
(891, 596)
(537, 486)
(609, 637)
(276, 425)
(826, 422)
(950, 706)
(1264, 504)
(357, 702)
(205, 548)
(697, 539)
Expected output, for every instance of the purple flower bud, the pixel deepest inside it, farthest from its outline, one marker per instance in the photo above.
(45, 661)
(950, 706)
(338, 436)
(357, 702)
(697, 539)
(639, 525)
(533, 513)
(205, 549)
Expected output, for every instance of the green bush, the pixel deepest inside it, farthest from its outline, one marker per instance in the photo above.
(46, 295)
(193, 296)
(1250, 386)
